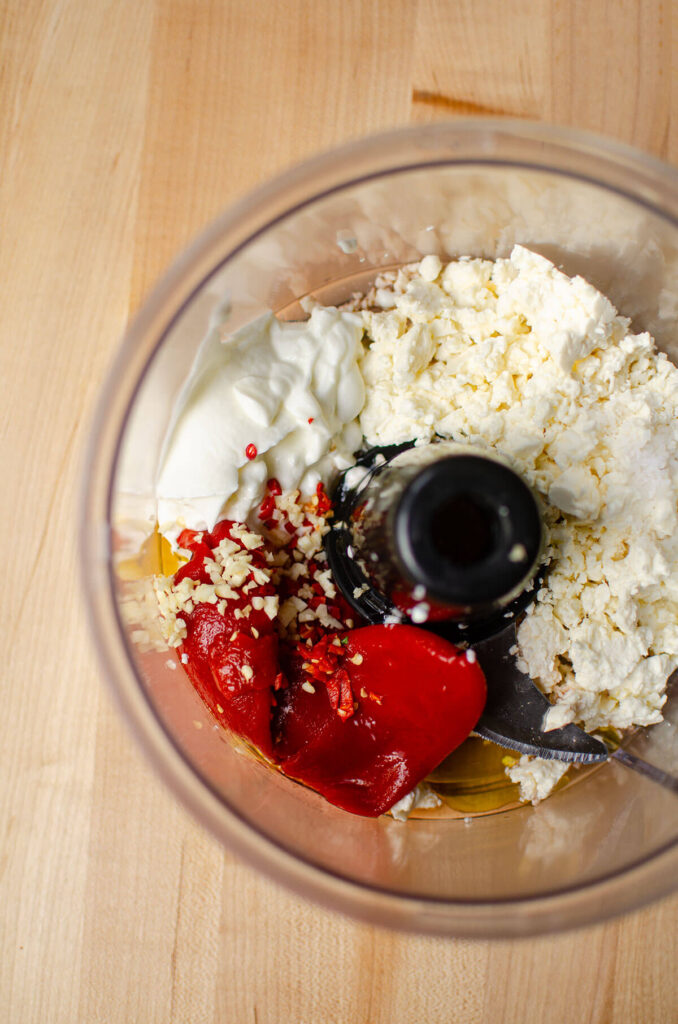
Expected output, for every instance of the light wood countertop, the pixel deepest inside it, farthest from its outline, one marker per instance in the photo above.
(124, 128)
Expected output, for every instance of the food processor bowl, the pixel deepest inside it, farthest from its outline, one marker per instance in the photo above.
(604, 844)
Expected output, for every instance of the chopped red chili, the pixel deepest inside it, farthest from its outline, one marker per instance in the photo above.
(345, 709)
(324, 503)
(267, 507)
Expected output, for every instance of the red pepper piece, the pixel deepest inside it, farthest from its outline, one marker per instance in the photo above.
(243, 665)
(324, 503)
(195, 569)
(246, 699)
(431, 698)
(203, 625)
(189, 539)
(419, 696)
(221, 531)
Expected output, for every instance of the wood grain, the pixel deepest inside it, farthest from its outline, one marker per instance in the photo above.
(124, 127)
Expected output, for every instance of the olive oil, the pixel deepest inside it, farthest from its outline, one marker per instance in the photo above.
(473, 780)
(155, 557)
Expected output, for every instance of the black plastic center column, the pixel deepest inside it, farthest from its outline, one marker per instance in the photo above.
(444, 535)
(467, 529)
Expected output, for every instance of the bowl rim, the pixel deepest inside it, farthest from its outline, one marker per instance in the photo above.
(640, 178)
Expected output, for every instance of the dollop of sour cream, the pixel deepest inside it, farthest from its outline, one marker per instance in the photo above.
(273, 400)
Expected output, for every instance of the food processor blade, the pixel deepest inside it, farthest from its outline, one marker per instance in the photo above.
(515, 709)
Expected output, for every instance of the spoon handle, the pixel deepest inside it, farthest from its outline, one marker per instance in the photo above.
(649, 770)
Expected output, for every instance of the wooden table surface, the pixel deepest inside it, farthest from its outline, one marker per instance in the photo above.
(125, 126)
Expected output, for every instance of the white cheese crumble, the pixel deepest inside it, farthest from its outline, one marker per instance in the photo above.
(536, 776)
(422, 796)
(513, 354)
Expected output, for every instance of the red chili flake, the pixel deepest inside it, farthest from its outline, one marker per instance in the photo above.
(322, 664)
(188, 539)
(310, 419)
(345, 709)
(324, 503)
(273, 486)
(251, 451)
(267, 507)
(270, 524)
(358, 512)
(333, 692)
(290, 529)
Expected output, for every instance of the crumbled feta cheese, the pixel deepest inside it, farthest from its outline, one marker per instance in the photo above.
(522, 358)
(422, 796)
(430, 267)
(420, 612)
(536, 776)
(576, 492)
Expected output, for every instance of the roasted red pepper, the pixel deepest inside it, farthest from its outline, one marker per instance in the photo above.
(418, 697)
(360, 716)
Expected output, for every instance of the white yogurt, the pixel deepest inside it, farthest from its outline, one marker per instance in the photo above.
(292, 390)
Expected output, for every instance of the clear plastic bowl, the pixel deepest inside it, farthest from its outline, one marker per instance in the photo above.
(601, 846)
